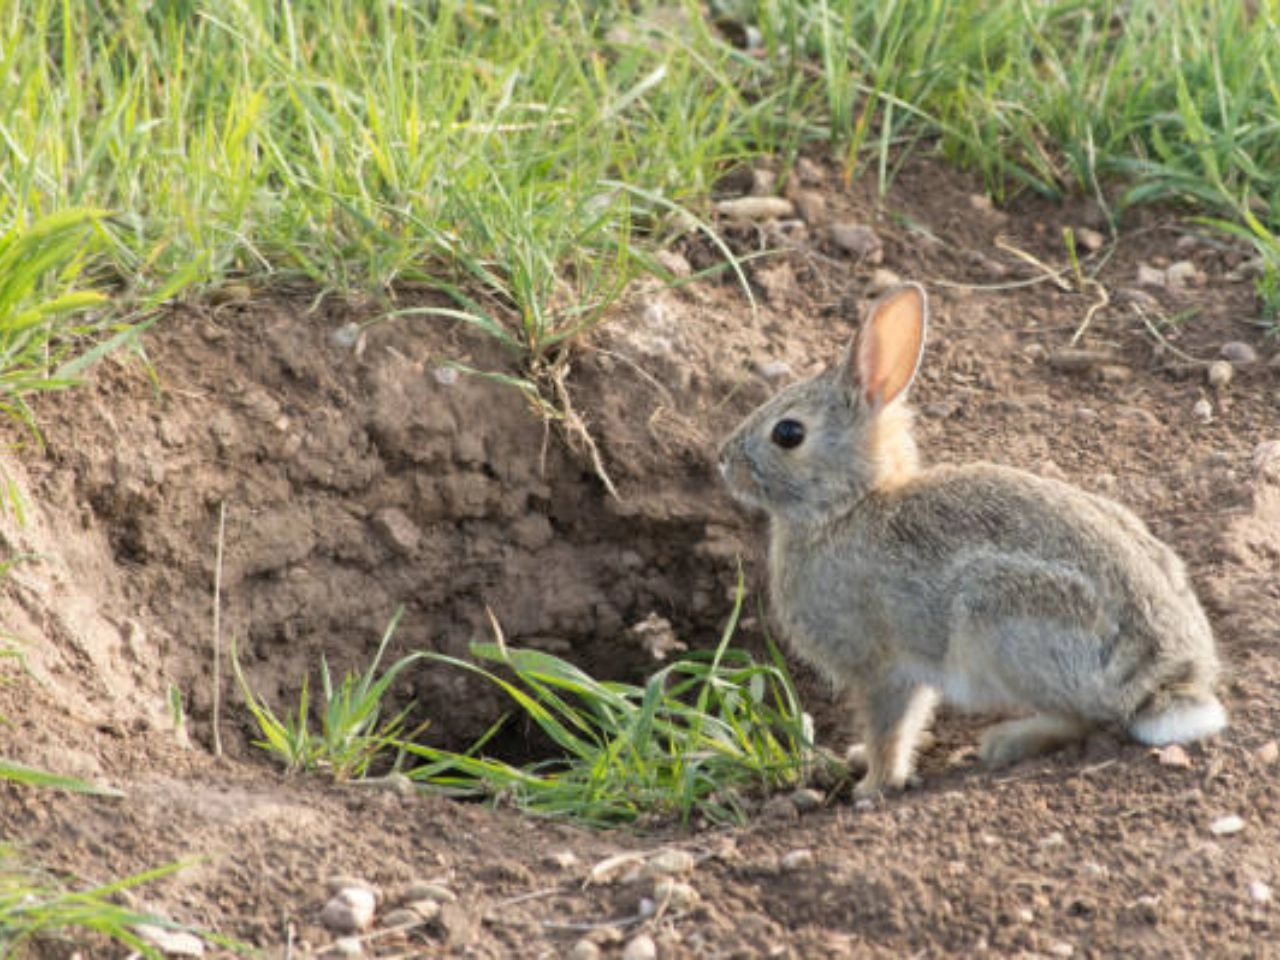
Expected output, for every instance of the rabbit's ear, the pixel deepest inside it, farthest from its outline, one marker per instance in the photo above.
(885, 355)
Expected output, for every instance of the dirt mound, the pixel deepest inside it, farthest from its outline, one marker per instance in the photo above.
(360, 472)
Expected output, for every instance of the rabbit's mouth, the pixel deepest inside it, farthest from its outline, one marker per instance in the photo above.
(741, 482)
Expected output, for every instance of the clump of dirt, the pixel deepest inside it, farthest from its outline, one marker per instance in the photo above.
(360, 472)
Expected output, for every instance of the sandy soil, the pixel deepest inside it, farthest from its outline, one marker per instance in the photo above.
(359, 473)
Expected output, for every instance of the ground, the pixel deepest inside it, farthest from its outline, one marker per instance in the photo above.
(360, 472)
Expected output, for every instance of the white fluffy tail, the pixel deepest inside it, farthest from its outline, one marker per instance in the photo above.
(1182, 722)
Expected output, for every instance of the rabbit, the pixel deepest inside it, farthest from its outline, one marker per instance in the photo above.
(986, 586)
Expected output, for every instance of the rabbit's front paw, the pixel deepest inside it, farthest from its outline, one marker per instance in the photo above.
(1008, 743)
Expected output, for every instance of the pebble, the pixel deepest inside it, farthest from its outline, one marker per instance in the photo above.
(425, 909)
(882, 280)
(674, 263)
(429, 890)
(343, 947)
(771, 369)
(982, 202)
(779, 807)
(1184, 273)
(797, 860)
(1238, 352)
(807, 800)
(584, 949)
(445, 376)
(562, 860)
(1025, 915)
(811, 205)
(1203, 410)
(1226, 826)
(858, 240)
(675, 894)
(1149, 276)
(347, 335)
(170, 942)
(1219, 374)
(939, 409)
(1173, 756)
(1061, 949)
(640, 948)
(756, 208)
(612, 868)
(1055, 839)
(397, 530)
(1259, 892)
(669, 862)
(1091, 240)
(1268, 753)
(403, 917)
(349, 910)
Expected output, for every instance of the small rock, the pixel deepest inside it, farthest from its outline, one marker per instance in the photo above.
(797, 860)
(647, 907)
(1238, 352)
(1259, 892)
(771, 369)
(1203, 411)
(429, 890)
(669, 862)
(349, 910)
(562, 860)
(340, 881)
(1061, 949)
(1219, 374)
(426, 910)
(343, 947)
(1149, 276)
(674, 263)
(764, 182)
(756, 208)
(858, 240)
(675, 894)
(1268, 753)
(1172, 756)
(1226, 826)
(399, 532)
(1184, 273)
(810, 173)
(1091, 240)
(640, 948)
(612, 869)
(445, 376)
(1266, 462)
(584, 949)
(1025, 915)
(1147, 908)
(347, 335)
(170, 942)
(1055, 839)
(811, 205)
(779, 807)
(807, 800)
(882, 280)
(982, 202)
(404, 917)
(1113, 373)
(939, 409)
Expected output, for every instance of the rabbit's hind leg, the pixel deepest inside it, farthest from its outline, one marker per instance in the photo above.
(1015, 740)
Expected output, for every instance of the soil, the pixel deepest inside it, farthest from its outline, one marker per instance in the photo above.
(360, 472)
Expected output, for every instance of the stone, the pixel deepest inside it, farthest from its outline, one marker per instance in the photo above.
(399, 532)
(640, 947)
(350, 910)
(1227, 826)
(882, 280)
(756, 208)
(1238, 352)
(1091, 240)
(1219, 374)
(797, 860)
(858, 240)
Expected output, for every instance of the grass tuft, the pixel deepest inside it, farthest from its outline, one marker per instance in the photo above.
(704, 737)
(352, 734)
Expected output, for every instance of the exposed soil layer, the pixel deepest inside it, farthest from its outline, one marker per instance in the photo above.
(360, 472)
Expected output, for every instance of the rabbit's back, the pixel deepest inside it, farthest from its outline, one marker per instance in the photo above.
(895, 569)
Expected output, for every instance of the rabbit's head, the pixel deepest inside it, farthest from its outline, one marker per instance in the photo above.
(821, 445)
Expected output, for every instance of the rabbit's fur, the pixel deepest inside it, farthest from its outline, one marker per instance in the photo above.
(993, 587)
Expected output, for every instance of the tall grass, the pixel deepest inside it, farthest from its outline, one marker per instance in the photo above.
(479, 147)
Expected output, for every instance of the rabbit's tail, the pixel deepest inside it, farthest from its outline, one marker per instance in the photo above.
(1182, 711)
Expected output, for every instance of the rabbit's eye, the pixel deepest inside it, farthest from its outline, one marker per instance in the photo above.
(788, 434)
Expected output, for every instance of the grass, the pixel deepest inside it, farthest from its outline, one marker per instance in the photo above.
(704, 736)
(38, 909)
(351, 734)
(522, 157)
